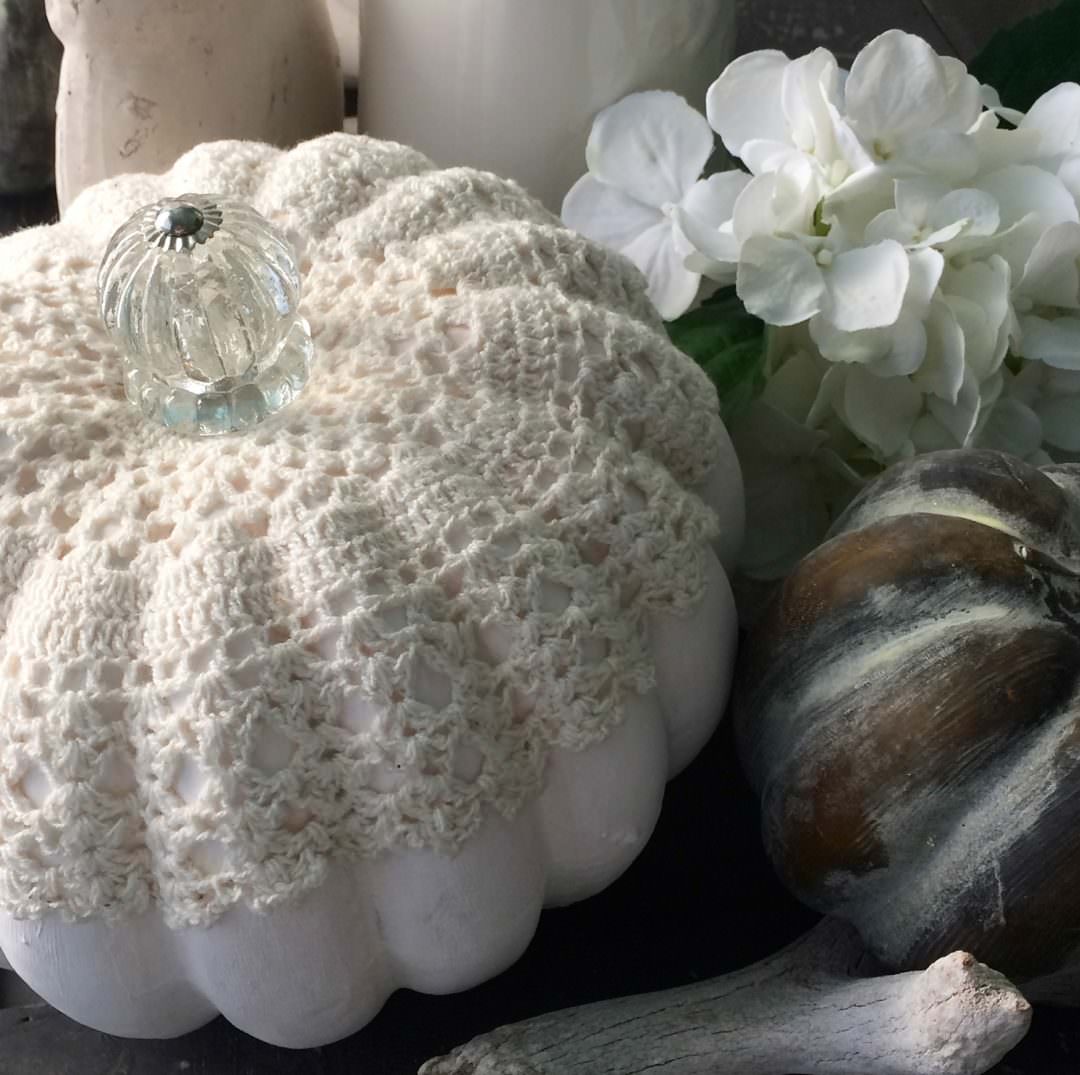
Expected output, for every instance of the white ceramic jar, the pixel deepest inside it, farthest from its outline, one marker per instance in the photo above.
(512, 85)
(345, 15)
(143, 81)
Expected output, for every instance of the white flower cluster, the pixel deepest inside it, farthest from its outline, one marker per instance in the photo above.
(916, 245)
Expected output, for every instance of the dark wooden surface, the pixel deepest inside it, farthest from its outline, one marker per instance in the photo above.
(700, 901)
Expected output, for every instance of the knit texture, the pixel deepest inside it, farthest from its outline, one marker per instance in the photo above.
(367, 623)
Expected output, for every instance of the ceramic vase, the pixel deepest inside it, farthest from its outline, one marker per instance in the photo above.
(143, 81)
(29, 70)
(345, 15)
(512, 86)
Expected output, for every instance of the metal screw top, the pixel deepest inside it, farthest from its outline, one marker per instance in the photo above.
(183, 224)
(179, 221)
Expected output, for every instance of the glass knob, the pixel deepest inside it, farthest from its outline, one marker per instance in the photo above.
(201, 293)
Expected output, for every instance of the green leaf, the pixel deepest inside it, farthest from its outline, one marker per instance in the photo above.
(728, 344)
(1026, 60)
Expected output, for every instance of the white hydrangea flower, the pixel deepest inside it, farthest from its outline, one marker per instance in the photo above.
(910, 110)
(645, 156)
(1055, 116)
(1047, 298)
(768, 109)
(913, 243)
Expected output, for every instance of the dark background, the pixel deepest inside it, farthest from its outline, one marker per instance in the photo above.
(699, 902)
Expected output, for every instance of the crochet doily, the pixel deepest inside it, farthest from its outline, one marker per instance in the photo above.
(367, 623)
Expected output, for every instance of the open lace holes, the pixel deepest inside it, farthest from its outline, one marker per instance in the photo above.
(594, 552)
(278, 633)
(385, 777)
(358, 712)
(190, 779)
(257, 525)
(272, 750)
(452, 580)
(634, 499)
(116, 775)
(554, 597)
(495, 642)
(393, 617)
(458, 336)
(342, 601)
(239, 481)
(61, 520)
(593, 650)
(522, 705)
(242, 644)
(456, 536)
(430, 686)
(295, 818)
(35, 785)
(468, 762)
(27, 481)
(208, 857)
(635, 432)
(431, 557)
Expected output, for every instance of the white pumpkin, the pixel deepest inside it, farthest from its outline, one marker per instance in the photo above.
(293, 718)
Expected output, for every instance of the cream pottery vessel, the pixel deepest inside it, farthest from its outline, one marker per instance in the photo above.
(142, 81)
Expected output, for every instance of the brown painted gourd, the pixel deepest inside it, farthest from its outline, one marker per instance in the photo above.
(909, 714)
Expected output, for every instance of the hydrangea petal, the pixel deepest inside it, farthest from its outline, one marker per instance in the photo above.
(892, 224)
(1056, 342)
(925, 269)
(651, 145)
(991, 101)
(916, 198)
(949, 154)
(1059, 418)
(1056, 116)
(808, 87)
(836, 345)
(880, 410)
(715, 251)
(975, 209)
(866, 286)
(1012, 426)
(744, 102)
(712, 200)
(672, 287)
(779, 280)
(763, 155)
(899, 83)
(1052, 275)
(794, 388)
(942, 370)
(607, 214)
(979, 294)
(850, 208)
(1031, 200)
(906, 352)
(959, 418)
(1069, 174)
(999, 147)
(929, 435)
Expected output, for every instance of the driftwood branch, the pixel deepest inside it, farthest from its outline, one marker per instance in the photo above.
(810, 1008)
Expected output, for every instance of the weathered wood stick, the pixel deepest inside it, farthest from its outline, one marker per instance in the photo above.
(808, 1009)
